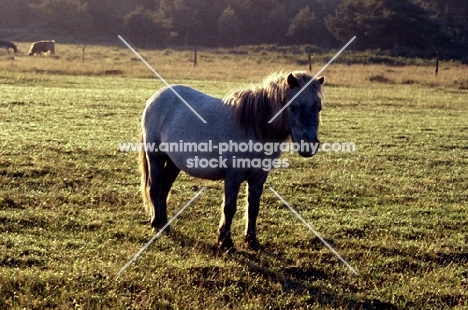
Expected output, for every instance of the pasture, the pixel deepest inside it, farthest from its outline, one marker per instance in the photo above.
(71, 215)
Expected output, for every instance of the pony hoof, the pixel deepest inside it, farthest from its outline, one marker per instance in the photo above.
(167, 230)
(157, 227)
(226, 244)
(252, 243)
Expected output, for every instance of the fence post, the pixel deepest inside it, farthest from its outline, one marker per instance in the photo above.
(310, 60)
(437, 63)
(195, 56)
(83, 56)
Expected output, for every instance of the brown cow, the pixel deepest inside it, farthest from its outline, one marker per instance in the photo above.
(40, 47)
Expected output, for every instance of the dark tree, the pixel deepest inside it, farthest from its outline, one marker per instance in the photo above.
(384, 24)
(302, 26)
(184, 13)
(148, 28)
(229, 27)
(68, 15)
(15, 13)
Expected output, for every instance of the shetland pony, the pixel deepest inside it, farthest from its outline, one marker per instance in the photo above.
(7, 45)
(240, 119)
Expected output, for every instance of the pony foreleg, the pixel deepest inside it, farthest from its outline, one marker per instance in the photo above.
(255, 189)
(231, 190)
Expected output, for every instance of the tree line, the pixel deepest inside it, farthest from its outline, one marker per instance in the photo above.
(403, 27)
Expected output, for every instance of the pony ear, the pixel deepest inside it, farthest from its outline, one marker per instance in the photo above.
(292, 81)
(321, 80)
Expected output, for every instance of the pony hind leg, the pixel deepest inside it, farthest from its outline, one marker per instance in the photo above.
(231, 190)
(169, 174)
(254, 192)
(156, 163)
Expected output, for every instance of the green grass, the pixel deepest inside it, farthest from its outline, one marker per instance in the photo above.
(71, 214)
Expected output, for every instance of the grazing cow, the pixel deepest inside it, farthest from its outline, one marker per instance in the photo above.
(7, 45)
(40, 47)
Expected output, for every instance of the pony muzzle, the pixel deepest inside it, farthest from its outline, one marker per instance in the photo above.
(311, 149)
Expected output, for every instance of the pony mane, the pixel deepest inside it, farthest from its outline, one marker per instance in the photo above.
(256, 105)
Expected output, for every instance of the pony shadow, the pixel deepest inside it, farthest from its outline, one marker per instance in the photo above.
(188, 241)
(293, 280)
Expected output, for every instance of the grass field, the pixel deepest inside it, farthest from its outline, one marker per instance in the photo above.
(71, 216)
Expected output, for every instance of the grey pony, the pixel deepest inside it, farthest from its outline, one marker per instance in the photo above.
(240, 117)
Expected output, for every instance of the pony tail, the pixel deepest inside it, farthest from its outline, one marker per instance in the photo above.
(143, 163)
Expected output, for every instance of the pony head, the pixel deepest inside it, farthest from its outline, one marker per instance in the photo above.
(256, 106)
(303, 113)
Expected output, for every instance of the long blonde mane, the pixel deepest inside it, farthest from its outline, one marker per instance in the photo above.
(256, 105)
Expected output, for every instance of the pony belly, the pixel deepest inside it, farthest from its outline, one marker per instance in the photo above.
(214, 167)
(207, 174)
(201, 165)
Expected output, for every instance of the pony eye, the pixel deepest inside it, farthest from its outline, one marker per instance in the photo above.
(293, 108)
